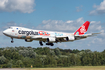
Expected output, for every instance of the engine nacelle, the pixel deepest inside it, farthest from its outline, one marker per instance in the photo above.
(51, 39)
(28, 40)
(70, 38)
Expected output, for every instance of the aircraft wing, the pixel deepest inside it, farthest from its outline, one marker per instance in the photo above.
(61, 37)
(44, 38)
(40, 37)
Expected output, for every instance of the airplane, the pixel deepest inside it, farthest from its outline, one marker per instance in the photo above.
(48, 37)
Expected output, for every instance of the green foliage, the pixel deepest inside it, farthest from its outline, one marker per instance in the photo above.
(2, 60)
(42, 51)
(57, 51)
(7, 53)
(10, 64)
(27, 53)
(103, 51)
(75, 51)
(38, 62)
(1, 53)
(49, 61)
(23, 57)
(19, 63)
(16, 56)
(27, 61)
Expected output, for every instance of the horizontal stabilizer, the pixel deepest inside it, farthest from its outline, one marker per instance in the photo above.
(87, 35)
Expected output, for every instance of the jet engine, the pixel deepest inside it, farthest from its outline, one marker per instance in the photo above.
(70, 38)
(28, 40)
(51, 39)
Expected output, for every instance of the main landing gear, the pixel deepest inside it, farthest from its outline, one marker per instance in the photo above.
(12, 40)
(51, 44)
(41, 44)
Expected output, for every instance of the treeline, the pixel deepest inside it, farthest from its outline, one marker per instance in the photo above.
(23, 57)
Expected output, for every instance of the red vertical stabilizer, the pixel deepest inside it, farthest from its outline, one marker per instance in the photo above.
(83, 29)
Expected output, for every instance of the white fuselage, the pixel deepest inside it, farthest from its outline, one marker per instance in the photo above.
(25, 33)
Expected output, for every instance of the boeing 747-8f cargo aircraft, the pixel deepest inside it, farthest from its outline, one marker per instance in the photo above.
(47, 37)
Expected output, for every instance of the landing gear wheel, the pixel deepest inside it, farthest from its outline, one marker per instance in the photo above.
(12, 41)
(52, 44)
(40, 42)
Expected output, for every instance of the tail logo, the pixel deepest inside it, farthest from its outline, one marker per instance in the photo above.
(82, 30)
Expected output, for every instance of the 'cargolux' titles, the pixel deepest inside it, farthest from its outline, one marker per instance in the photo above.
(27, 32)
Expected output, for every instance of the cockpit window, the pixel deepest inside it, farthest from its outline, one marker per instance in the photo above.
(10, 27)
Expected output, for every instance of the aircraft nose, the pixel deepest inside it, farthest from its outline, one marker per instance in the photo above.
(5, 32)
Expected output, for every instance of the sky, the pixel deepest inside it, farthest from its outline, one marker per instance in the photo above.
(54, 15)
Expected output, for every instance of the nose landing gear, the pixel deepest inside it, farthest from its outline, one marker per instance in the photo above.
(12, 40)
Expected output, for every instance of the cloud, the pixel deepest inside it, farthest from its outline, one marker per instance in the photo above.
(60, 25)
(24, 6)
(95, 26)
(99, 39)
(69, 21)
(69, 25)
(78, 9)
(99, 9)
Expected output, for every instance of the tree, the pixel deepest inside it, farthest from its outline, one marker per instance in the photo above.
(11, 48)
(75, 51)
(59, 62)
(32, 54)
(65, 61)
(2, 60)
(45, 51)
(19, 63)
(88, 51)
(7, 54)
(16, 56)
(72, 60)
(38, 62)
(24, 53)
(27, 61)
(27, 53)
(1, 53)
(57, 51)
(103, 51)
(52, 53)
(10, 64)
(49, 61)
